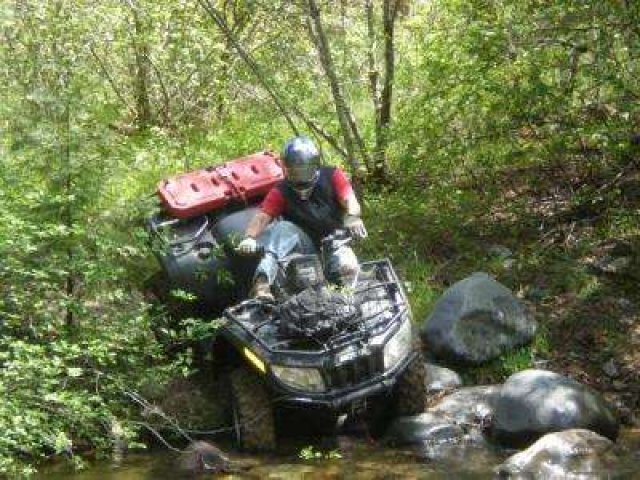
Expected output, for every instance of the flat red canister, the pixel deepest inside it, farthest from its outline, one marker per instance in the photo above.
(209, 189)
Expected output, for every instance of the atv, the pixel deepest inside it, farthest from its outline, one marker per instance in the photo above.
(322, 347)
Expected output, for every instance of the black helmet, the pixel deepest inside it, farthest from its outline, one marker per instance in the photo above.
(302, 161)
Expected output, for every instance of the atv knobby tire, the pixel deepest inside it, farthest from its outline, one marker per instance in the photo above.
(252, 409)
(410, 391)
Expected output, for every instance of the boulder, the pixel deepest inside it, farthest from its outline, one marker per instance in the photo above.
(201, 457)
(571, 454)
(476, 320)
(437, 439)
(425, 428)
(468, 406)
(532, 403)
(440, 378)
(455, 418)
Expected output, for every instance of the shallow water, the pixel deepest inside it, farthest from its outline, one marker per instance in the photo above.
(359, 459)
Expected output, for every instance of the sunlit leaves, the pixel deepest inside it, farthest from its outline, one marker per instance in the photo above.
(514, 76)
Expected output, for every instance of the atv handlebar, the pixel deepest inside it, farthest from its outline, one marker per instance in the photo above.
(337, 239)
(333, 241)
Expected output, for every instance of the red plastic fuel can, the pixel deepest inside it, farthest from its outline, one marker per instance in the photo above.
(212, 188)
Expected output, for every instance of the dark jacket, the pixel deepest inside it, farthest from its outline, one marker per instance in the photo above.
(321, 213)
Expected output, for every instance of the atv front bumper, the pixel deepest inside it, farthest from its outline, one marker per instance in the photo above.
(342, 399)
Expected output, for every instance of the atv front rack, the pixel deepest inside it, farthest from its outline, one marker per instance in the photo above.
(258, 321)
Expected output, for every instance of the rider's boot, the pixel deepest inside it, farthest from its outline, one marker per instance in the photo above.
(261, 289)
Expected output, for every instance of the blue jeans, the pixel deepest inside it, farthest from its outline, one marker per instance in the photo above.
(284, 238)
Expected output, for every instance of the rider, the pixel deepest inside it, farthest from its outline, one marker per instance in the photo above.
(317, 199)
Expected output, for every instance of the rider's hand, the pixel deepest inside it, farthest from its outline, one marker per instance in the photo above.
(248, 246)
(355, 225)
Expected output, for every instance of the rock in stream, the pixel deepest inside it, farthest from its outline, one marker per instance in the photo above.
(571, 454)
(532, 403)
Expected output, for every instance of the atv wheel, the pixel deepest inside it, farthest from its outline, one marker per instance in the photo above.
(252, 411)
(410, 392)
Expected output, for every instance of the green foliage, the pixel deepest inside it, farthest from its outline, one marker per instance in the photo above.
(502, 84)
(61, 398)
(197, 329)
(310, 453)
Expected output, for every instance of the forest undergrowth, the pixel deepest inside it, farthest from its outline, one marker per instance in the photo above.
(561, 234)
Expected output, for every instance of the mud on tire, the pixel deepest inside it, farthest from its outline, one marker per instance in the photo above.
(410, 392)
(252, 410)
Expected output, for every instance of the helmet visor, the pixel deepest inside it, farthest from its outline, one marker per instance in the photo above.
(302, 176)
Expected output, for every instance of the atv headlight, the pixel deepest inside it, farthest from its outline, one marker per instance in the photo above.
(305, 379)
(399, 346)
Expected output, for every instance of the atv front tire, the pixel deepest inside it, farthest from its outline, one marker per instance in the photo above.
(253, 419)
(410, 391)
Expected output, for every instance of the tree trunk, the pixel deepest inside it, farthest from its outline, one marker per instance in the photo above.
(141, 81)
(70, 284)
(218, 18)
(348, 127)
(283, 106)
(380, 171)
(373, 73)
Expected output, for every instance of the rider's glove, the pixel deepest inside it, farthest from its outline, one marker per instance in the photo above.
(355, 225)
(248, 246)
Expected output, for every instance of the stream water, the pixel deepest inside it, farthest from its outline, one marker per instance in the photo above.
(358, 459)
